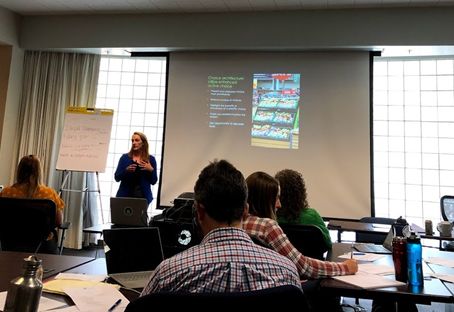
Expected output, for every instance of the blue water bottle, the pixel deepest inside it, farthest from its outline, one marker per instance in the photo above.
(414, 261)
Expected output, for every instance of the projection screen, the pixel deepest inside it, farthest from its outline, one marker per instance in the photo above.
(270, 111)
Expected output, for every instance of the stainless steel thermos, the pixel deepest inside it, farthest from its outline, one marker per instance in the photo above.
(24, 292)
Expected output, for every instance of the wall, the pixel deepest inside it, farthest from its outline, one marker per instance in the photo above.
(11, 63)
(289, 30)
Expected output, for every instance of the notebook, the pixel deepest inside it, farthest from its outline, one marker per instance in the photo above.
(372, 248)
(132, 254)
(129, 211)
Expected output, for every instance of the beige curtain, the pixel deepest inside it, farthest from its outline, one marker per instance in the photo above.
(52, 82)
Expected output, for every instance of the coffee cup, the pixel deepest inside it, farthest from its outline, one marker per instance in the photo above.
(445, 228)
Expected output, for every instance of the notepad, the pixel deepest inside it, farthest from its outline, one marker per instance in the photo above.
(368, 281)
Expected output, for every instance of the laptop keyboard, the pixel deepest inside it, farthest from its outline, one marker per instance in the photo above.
(132, 279)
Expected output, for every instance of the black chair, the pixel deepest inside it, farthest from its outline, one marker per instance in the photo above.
(26, 223)
(447, 207)
(447, 212)
(374, 238)
(307, 238)
(264, 298)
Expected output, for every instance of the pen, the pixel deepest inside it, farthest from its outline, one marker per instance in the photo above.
(351, 252)
(114, 305)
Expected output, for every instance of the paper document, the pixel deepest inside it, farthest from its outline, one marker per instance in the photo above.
(45, 304)
(444, 277)
(441, 261)
(372, 268)
(362, 256)
(57, 286)
(97, 298)
(81, 277)
(364, 280)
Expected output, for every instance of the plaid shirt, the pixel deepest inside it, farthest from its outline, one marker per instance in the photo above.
(269, 231)
(226, 260)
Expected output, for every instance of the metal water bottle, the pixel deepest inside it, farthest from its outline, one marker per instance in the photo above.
(414, 261)
(24, 292)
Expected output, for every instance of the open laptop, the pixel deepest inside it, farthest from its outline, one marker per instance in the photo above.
(129, 211)
(132, 254)
(372, 248)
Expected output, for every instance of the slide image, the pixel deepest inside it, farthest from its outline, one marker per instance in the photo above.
(275, 110)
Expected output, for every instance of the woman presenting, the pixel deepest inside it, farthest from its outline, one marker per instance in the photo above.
(137, 170)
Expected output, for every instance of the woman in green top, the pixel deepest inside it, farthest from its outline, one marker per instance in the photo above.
(294, 205)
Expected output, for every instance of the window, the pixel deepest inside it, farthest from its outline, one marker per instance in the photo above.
(413, 136)
(135, 89)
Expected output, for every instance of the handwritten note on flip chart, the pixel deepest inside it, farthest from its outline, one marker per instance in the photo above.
(85, 140)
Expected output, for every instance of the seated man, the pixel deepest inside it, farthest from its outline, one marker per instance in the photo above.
(227, 260)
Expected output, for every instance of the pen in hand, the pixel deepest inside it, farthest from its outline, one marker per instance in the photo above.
(114, 305)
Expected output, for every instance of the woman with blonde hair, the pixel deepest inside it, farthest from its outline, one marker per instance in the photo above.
(136, 170)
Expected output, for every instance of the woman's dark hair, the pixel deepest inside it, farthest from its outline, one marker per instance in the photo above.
(262, 194)
(221, 189)
(293, 194)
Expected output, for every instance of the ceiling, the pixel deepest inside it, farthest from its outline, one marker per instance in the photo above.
(65, 7)
(57, 7)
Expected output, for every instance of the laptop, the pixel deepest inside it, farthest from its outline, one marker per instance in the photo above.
(371, 248)
(132, 254)
(129, 211)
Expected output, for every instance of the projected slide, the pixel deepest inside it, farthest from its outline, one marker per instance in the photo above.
(268, 111)
(275, 110)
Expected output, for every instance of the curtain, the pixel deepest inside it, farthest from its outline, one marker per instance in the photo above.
(52, 82)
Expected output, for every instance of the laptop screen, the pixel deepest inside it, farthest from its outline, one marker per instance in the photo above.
(129, 211)
(132, 249)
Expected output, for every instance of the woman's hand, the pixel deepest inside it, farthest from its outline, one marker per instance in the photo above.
(145, 165)
(131, 167)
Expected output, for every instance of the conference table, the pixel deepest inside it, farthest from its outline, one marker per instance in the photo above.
(11, 265)
(434, 290)
(378, 229)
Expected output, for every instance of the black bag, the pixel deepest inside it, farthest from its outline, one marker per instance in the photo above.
(398, 228)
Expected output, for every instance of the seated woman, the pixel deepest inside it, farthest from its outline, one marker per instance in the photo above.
(261, 224)
(28, 185)
(294, 204)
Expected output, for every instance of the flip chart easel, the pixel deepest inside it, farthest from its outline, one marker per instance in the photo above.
(84, 145)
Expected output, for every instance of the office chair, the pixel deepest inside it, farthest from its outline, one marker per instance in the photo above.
(264, 298)
(25, 224)
(375, 238)
(447, 212)
(307, 238)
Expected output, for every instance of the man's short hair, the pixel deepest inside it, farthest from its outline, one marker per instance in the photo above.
(222, 190)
